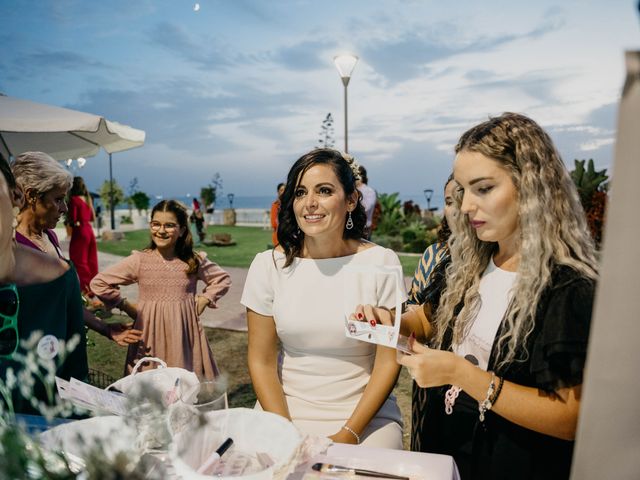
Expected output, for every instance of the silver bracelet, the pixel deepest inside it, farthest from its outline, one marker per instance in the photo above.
(350, 430)
(485, 405)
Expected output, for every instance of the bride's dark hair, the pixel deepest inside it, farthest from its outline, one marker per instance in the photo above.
(290, 236)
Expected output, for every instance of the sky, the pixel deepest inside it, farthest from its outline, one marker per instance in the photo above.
(241, 87)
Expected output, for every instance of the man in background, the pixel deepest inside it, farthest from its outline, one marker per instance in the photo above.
(275, 208)
(369, 197)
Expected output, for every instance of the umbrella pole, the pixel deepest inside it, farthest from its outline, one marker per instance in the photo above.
(111, 205)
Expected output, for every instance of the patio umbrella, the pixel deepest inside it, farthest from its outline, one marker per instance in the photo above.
(61, 132)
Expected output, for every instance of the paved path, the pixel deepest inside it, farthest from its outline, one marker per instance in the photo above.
(229, 315)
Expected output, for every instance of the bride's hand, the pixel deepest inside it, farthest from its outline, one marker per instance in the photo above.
(373, 315)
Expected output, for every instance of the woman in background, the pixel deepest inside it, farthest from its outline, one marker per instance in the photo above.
(82, 248)
(44, 184)
(427, 286)
(50, 302)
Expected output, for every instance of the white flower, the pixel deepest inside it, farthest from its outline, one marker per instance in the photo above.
(10, 381)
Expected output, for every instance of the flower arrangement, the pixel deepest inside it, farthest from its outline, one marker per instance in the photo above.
(22, 456)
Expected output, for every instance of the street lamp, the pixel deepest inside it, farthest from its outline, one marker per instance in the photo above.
(428, 193)
(345, 65)
(230, 197)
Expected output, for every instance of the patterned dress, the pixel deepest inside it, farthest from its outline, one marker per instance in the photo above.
(167, 316)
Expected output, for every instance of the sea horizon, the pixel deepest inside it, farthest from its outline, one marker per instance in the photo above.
(263, 202)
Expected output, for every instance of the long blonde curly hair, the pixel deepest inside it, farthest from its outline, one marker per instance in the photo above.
(553, 231)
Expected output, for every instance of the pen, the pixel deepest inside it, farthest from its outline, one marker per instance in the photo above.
(215, 456)
(171, 397)
(329, 468)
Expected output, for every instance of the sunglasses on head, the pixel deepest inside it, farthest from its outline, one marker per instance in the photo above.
(9, 307)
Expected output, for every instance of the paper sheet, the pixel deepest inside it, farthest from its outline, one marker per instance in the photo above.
(91, 398)
(366, 284)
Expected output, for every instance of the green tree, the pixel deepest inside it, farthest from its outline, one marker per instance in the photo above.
(141, 200)
(209, 193)
(105, 195)
(137, 197)
(326, 139)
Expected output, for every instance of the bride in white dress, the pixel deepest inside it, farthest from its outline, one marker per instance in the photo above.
(302, 365)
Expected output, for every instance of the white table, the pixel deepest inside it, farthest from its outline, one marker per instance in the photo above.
(416, 465)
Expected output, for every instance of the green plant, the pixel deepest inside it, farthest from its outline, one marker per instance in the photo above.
(391, 216)
(415, 237)
(209, 193)
(126, 220)
(589, 180)
(592, 187)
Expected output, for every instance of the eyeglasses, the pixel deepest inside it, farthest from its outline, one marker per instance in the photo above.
(168, 227)
(9, 307)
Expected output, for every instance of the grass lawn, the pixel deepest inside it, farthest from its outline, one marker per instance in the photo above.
(249, 241)
(229, 347)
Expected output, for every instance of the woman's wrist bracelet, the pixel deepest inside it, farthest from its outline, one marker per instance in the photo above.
(496, 394)
(485, 405)
(352, 432)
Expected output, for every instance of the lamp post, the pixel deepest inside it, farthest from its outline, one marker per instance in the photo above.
(428, 193)
(345, 65)
(230, 197)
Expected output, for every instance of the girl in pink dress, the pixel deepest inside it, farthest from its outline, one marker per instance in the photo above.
(82, 248)
(168, 307)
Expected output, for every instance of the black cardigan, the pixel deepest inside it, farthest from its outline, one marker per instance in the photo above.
(556, 350)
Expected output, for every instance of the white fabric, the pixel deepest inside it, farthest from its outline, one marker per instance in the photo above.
(369, 198)
(60, 132)
(608, 436)
(495, 295)
(323, 372)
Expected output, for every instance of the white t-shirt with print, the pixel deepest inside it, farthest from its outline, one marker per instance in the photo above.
(495, 295)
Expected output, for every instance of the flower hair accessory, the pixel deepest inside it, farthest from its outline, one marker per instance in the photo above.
(355, 167)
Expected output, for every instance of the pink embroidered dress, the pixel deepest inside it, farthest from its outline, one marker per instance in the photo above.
(167, 316)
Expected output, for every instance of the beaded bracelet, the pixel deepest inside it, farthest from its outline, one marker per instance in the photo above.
(350, 430)
(485, 405)
(496, 394)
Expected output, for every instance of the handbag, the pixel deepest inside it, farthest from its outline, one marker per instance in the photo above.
(163, 379)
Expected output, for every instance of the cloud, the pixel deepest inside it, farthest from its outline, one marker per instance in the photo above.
(61, 60)
(304, 56)
(205, 53)
(407, 55)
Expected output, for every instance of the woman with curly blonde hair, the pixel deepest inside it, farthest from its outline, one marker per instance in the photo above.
(510, 332)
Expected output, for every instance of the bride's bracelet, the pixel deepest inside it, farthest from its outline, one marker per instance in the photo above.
(352, 432)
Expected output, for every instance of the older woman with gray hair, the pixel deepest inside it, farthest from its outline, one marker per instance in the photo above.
(45, 184)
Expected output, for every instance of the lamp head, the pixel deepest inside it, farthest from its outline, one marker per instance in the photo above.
(345, 64)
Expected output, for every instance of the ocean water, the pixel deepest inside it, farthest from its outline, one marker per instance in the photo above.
(264, 202)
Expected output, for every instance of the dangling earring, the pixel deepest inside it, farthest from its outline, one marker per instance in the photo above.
(349, 224)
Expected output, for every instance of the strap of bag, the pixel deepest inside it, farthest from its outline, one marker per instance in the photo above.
(139, 363)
